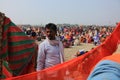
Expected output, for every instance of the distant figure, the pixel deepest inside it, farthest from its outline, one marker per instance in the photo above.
(96, 39)
(51, 50)
(34, 35)
(66, 43)
(76, 42)
(80, 52)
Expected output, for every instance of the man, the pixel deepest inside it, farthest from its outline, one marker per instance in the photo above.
(50, 51)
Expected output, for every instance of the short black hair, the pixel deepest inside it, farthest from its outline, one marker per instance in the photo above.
(33, 34)
(51, 26)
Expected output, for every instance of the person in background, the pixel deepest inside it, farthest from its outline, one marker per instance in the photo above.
(96, 39)
(50, 51)
(33, 35)
(66, 43)
(80, 52)
(76, 41)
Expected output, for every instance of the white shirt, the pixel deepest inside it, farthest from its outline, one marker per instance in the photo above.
(48, 55)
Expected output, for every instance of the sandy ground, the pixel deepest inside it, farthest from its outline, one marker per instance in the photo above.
(70, 52)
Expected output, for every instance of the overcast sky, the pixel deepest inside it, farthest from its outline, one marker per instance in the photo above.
(82, 12)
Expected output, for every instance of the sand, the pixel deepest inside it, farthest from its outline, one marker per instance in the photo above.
(70, 52)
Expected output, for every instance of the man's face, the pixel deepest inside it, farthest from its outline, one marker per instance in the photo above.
(50, 34)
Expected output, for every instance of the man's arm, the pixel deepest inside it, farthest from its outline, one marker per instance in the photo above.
(41, 57)
(106, 70)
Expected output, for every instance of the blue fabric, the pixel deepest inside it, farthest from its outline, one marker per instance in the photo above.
(106, 70)
(82, 52)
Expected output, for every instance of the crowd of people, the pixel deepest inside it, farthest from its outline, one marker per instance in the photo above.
(73, 35)
(68, 35)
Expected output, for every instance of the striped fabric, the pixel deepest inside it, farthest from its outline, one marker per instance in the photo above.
(17, 48)
(6, 72)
